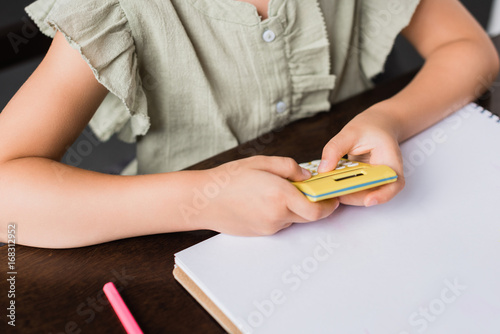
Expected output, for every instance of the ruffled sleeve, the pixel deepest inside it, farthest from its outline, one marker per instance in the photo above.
(381, 22)
(100, 31)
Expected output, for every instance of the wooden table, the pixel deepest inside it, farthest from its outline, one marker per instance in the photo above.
(60, 291)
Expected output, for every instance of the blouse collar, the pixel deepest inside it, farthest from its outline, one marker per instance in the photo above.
(235, 11)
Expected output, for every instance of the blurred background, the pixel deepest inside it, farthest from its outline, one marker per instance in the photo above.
(112, 156)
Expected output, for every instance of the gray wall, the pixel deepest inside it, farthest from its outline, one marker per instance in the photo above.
(12, 11)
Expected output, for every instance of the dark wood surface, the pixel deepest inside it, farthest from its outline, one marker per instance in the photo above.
(60, 291)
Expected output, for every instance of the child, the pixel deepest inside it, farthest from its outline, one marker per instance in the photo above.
(190, 78)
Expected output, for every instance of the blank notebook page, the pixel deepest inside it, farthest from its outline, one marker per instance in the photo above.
(426, 262)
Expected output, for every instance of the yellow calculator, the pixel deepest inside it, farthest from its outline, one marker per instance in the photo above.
(348, 177)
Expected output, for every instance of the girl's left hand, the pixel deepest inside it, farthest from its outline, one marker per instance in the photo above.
(370, 137)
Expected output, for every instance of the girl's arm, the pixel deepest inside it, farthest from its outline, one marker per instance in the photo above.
(461, 63)
(55, 205)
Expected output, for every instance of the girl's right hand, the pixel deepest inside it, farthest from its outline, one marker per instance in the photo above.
(253, 197)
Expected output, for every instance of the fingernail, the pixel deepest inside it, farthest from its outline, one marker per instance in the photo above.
(371, 202)
(306, 173)
(322, 166)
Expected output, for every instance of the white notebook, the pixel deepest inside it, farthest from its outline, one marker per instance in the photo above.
(426, 262)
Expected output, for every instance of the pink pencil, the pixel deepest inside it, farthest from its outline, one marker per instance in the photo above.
(121, 309)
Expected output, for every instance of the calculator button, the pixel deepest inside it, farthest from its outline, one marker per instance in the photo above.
(352, 164)
(340, 167)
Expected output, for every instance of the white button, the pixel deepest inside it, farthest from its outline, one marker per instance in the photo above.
(280, 107)
(268, 36)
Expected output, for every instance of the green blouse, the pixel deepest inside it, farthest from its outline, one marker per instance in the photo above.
(191, 78)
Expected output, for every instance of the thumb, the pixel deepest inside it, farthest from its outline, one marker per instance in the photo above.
(286, 168)
(334, 150)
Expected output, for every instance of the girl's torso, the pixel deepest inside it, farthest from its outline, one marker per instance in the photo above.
(192, 78)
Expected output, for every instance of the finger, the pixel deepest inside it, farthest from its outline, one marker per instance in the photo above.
(281, 166)
(317, 210)
(307, 210)
(373, 196)
(357, 198)
(292, 217)
(392, 158)
(384, 193)
(335, 149)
